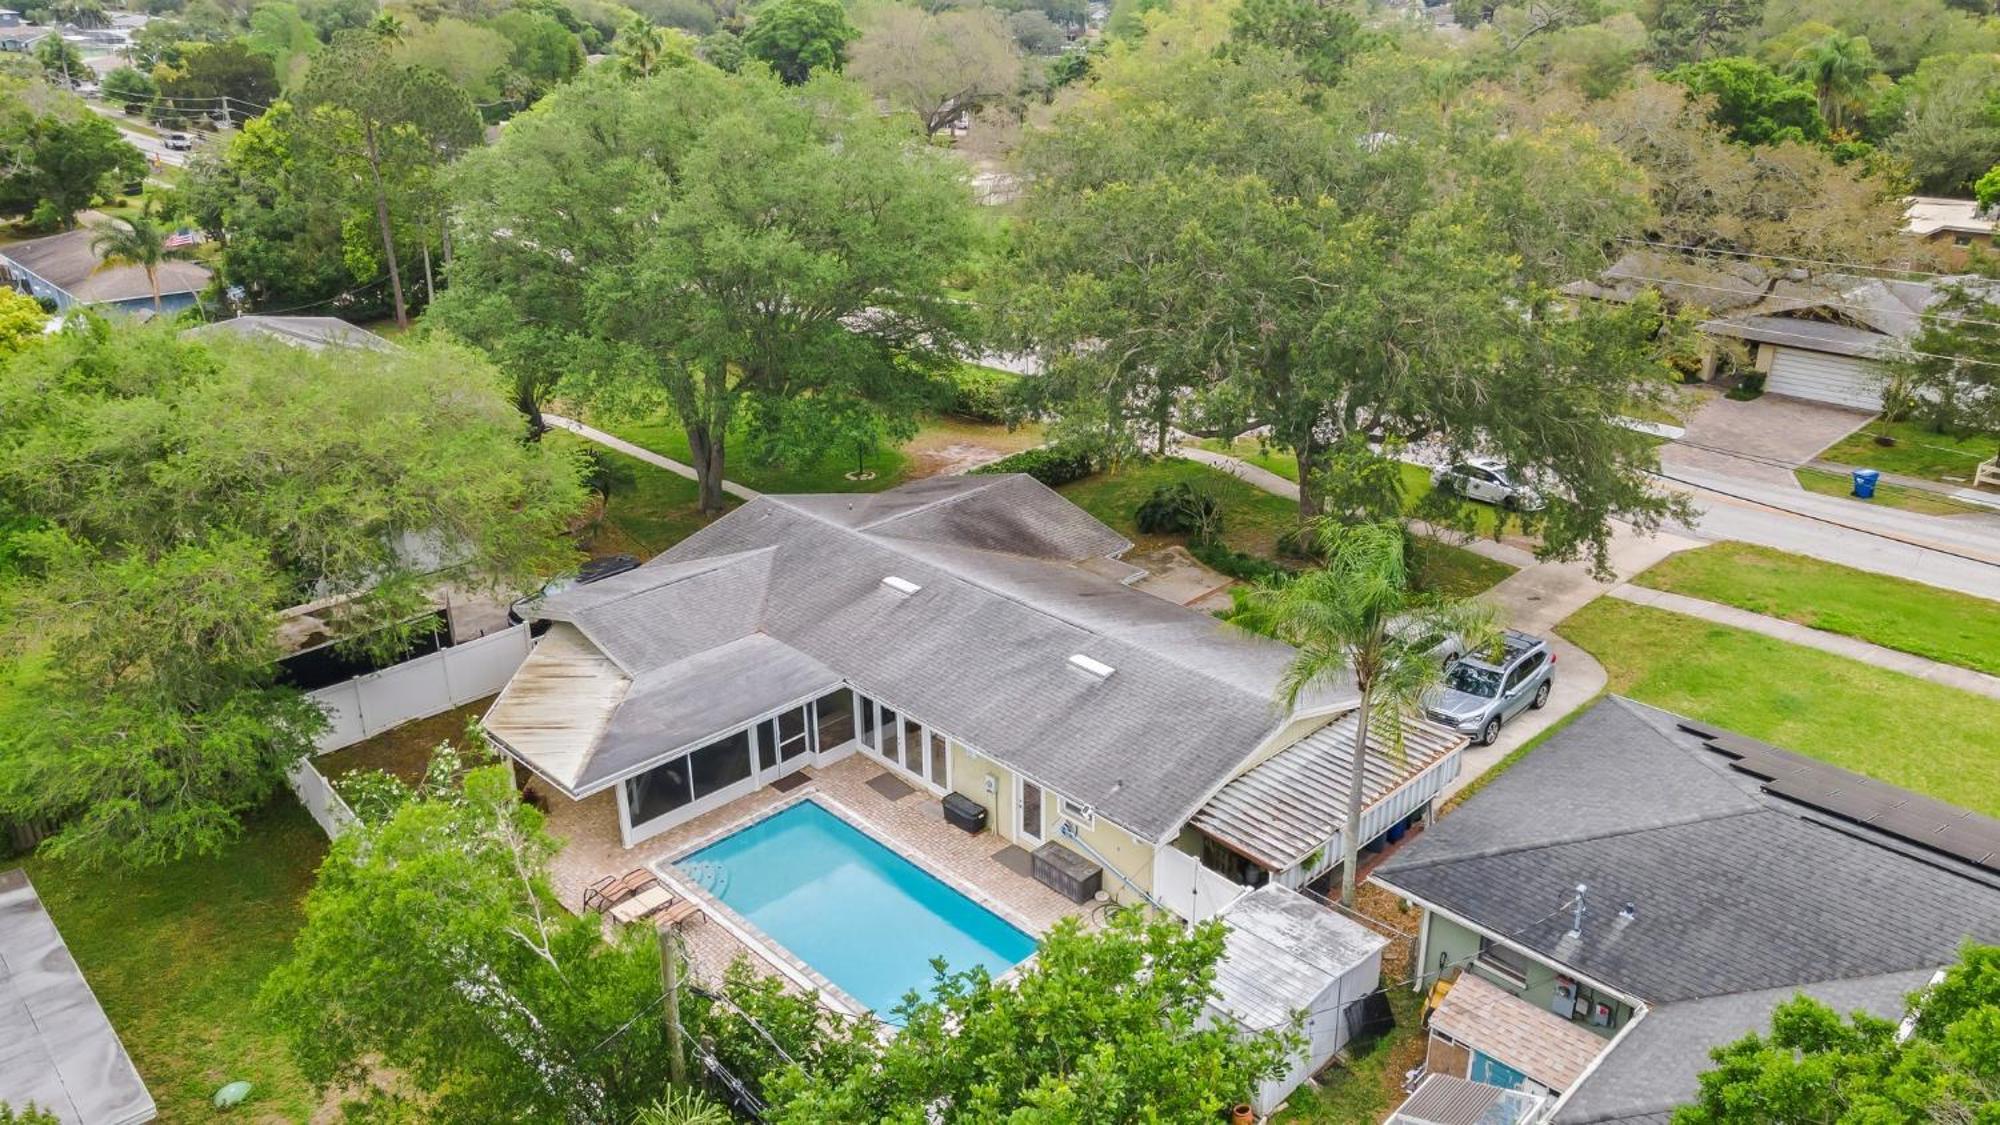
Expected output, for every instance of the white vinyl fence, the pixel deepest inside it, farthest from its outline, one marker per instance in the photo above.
(320, 799)
(420, 688)
(1184, 886)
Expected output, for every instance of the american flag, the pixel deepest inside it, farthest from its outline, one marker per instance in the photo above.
(181, 239)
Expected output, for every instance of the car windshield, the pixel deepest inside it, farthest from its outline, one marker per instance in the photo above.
(1473, 680)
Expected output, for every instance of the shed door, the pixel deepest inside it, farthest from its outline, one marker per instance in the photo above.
(1838, 379)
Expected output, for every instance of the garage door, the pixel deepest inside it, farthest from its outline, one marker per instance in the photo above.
(1839, 379)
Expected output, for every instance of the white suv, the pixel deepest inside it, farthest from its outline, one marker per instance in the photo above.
(1490, 481)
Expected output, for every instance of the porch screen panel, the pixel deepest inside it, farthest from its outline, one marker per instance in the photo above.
(834, 713)
(870, 724)
(721, 764)
(792, 733)
(767, 744)
(658, 791)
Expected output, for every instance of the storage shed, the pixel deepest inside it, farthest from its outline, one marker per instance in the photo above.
(1286, 955)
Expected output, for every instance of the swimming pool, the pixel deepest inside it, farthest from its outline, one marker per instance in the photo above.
(862, 916)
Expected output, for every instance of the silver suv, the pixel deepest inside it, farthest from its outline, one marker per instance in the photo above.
(1479, 695)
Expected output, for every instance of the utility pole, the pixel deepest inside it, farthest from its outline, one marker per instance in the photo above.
(670, 979)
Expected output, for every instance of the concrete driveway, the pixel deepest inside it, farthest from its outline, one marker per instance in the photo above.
(1762, 440)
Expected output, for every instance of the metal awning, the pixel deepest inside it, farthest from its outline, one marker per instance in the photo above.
(1282, 810)
(57, 1049)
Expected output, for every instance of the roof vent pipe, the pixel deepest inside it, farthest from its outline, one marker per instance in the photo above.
(1576, 914)
(1096, 668)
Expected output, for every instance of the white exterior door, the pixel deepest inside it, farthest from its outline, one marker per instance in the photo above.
(1838, 379)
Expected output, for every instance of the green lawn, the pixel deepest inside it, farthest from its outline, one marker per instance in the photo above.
(649, 510)
(176, 954)
(1893, 612)
(664, 436)
(1918, 452)
(1369, 1083)
(1416, 478)
(1907, 732)
(1887, 495)
(1252, 519)
(1444, 569)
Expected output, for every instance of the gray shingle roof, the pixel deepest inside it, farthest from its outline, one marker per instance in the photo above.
(1654, 1068)
(981, 649)
(68, 262)
(1737, 892)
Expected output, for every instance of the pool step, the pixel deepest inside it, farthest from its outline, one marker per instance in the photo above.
(709, 875)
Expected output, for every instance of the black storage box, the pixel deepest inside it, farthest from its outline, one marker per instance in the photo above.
(964, 812)
(1067, 873)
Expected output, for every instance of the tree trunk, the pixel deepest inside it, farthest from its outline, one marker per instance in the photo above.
(524, 398)
(382, 221)
(1350, 833)
(705, 446)
(1311, 453)
(153, 279)
(430, 283)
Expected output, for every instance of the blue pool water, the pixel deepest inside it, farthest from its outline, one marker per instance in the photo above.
(862, 916)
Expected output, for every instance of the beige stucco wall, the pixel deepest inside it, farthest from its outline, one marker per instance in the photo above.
(969, 772)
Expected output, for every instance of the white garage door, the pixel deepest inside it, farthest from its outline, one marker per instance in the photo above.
(1839, 379)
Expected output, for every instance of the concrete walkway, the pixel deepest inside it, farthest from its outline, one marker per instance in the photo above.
(1895, 660)
(643, 454)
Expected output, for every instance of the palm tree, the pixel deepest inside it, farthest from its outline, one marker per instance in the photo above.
(139, 241)
(641, 47)
(1838, 66)
(1358, 615)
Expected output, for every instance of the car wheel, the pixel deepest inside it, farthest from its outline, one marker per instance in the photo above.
(1509, 502)
(1541, 696)
(1491, 734)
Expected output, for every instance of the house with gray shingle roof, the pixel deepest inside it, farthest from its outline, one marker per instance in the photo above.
(67, 270)
(1666, 886)
(975, 636)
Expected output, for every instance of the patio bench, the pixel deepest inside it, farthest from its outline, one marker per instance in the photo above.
(651, 900)
(611, 890)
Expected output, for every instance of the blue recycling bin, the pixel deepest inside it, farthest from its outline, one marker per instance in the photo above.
(1864, 483)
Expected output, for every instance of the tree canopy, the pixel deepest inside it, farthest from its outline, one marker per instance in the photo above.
(166, 498)
(1202, 248)
(692, 238)
(936, 65)
(799, 37)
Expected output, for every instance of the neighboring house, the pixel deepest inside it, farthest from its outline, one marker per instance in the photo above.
(57, 1049)
(1663, 886)
(977, 636)
(1812, 336)
(313, 333)
(1952, 226)
(16, 35)
(64, 268)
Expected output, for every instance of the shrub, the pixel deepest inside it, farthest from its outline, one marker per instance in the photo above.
(1751, 387)
(1181, 508)
(1052, 465)
(1235, 564)
(981, 394)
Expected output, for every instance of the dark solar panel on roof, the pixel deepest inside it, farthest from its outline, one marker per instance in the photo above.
(1924, 821)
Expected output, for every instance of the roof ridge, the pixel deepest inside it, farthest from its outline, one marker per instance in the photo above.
(944, 499)
(894, 544)
(1568, 841)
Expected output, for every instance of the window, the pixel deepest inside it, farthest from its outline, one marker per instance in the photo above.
(834, 713)
(767, 744)
(1482, 682)
(913, 745)
(1961, 240)
(1503, 961)
(1526, 668)
(658, 791)
(886, 729)
(719, 765)
(940, 759)
(1079, 815)
(792, 733)
(869, 735)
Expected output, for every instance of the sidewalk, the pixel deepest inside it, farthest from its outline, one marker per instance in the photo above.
(642, 453)
(1894, 660)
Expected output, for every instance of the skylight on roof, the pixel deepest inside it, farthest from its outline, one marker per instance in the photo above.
(1096, 668)
(901, 585)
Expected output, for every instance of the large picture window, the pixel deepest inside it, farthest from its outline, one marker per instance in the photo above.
(719, 765)
(834, 712)
(658, 791)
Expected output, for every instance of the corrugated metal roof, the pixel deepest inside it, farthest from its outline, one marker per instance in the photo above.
(57, 1049)
(1283, 952)
(1533, 1040)
(1445, 1099)
(1287, 807)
